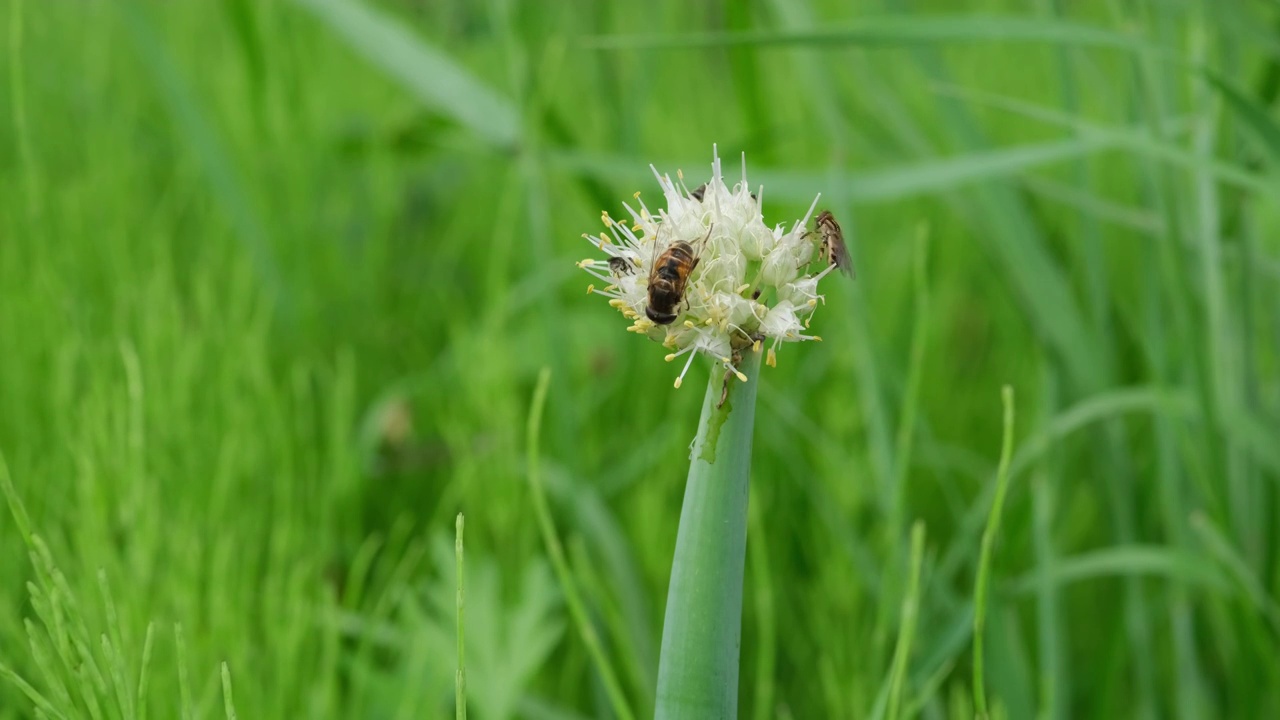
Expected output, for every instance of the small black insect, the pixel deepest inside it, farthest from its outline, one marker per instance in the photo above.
(620, 266)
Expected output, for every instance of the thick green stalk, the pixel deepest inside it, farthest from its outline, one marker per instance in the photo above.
(698, 667)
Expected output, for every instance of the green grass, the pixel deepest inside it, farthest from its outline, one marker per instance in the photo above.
(278, 280)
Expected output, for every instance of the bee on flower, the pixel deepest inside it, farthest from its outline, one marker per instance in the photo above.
(706, 275)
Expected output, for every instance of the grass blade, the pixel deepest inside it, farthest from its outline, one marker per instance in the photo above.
(911, 395)
(144, 677)
(460, 681)
(907, 631)
(192, 121)
(1257, 118)
(1126, 560)
(555, 550)
(766, 623)
(20, 517)
(984, 562)
(187, 710)
(228, 701)
(41, 703)
(896, 30)
(936, 175)
(432, 76)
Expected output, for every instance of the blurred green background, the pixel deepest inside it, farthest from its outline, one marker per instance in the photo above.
(277, 279)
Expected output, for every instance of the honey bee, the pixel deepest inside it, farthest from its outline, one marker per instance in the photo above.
(620, 266)
(667, 279)
(834, 251)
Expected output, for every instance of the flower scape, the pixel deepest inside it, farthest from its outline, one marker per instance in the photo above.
(723, 281)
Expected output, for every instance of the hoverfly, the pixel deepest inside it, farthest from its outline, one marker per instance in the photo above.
(834, 251)
(668, 277)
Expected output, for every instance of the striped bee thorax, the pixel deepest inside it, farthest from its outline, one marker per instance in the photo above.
(667, 281)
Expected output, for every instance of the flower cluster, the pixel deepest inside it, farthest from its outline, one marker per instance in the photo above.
(706, 274)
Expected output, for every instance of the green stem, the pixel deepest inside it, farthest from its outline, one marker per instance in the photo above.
(573, 598)
(228, 702)
(907, 629)
(460, 680)
(984, 559)
(698, 667)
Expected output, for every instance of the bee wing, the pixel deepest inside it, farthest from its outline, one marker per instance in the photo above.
(840, 257)
(653, 256)
(833, 240)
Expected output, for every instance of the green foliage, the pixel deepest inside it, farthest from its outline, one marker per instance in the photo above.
(277, 280)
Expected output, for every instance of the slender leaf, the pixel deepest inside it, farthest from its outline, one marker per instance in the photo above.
(433, 77)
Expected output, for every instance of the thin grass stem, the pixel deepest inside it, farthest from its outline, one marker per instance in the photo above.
(984, 561)
(556, 551)
(460, 680)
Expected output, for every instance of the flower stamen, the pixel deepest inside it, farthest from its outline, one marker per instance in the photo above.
(689, 362)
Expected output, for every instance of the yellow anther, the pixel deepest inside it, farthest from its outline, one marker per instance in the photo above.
(670, 357)
(741, 377)
(771, 359)
(610, 288)
(710, 321)
(813, 302)
(755, 346)
(689, 324)
(636, 194)
(605, 239)
(680, 173)
(738, 290)
(587, 263)
(635, 228)
(725, 359)
(616, 302)
(818, 338)
(591, 289)
(678, 381)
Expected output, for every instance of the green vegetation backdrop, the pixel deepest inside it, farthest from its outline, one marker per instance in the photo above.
(277, 280)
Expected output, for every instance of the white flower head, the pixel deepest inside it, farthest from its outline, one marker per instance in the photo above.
(706, 275)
